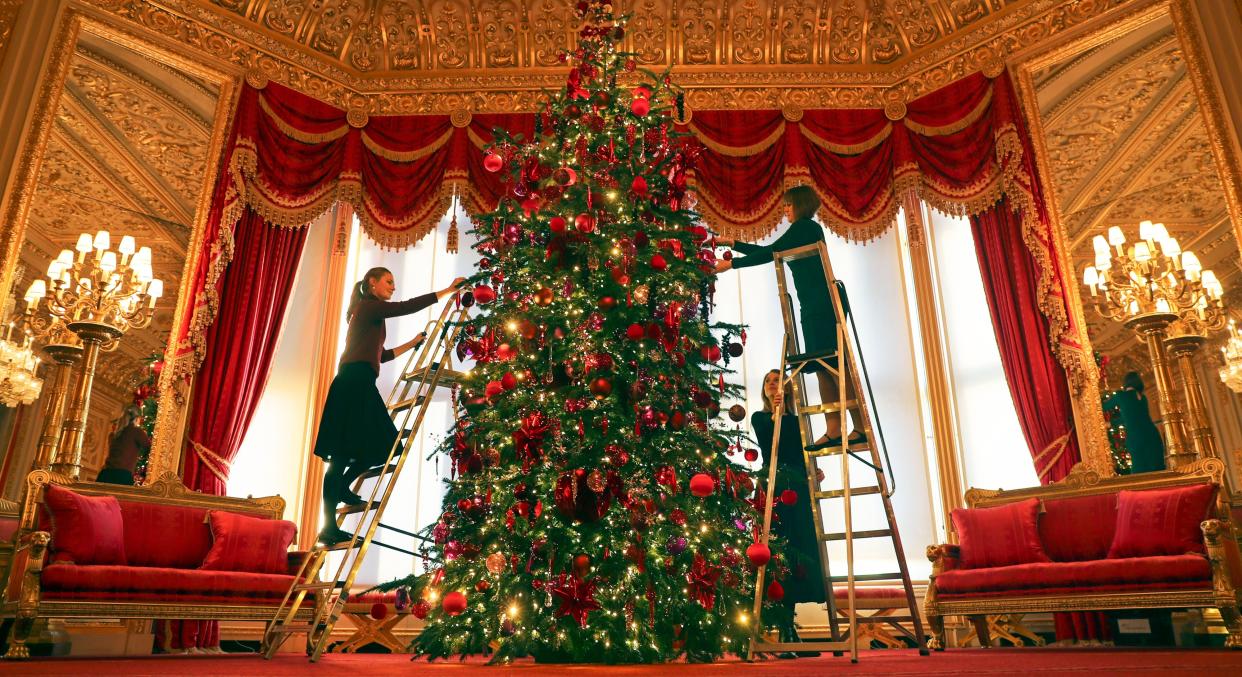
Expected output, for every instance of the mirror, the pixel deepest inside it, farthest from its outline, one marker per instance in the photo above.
(1124, 141)
(128, 152)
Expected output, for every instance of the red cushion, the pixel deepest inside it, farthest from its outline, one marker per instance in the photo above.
(1078, 529)
(165, 535)
(1062, 575)
(158, 584)
(243, 543)
(1000, 536)
(85, 529)
(1161, 521)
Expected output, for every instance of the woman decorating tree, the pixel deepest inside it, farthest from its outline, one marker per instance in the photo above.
(819, 322)
(1142, 438)
(792, 521)
(355, 429)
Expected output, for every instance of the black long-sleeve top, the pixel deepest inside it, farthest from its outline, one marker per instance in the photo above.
(364, 340)
(809, 280)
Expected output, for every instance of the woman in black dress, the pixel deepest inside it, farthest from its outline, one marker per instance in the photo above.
(819, 322)
(794, 523)
(1142, 438)
(355, 430)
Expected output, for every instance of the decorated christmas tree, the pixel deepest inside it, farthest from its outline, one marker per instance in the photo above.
(594, 513)
(146, 401)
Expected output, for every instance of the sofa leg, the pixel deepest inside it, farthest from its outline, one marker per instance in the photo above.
(981, 629)
(935, 623)
(1233, 622)
(18, 635)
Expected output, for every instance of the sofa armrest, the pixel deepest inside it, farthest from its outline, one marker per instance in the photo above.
(1223, 555)
(29, 552)
(944, 557)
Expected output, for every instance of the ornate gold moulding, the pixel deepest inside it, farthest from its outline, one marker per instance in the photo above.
(757, 54)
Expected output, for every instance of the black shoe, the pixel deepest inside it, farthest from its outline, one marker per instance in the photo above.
(334, 535)
(859, 437)
(806, 654)
(787, 655)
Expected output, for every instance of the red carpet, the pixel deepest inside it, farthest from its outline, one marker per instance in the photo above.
(963, 662)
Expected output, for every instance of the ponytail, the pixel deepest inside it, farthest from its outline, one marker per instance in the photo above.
(362, 290)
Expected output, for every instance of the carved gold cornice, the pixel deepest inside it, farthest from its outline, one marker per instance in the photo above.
(443, 57)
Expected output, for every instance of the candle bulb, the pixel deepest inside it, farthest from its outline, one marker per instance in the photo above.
(1091, 277)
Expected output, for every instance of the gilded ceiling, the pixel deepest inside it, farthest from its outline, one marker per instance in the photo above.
(127, 154)
(1126, 142)
(410, 56)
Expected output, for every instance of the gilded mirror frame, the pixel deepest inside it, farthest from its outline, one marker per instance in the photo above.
(1088, 409)
(73, 22)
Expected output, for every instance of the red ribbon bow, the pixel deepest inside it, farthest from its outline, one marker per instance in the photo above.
(702, 578)
(577, 597)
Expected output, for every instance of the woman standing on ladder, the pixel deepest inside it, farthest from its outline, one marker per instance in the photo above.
(355, 429)
(792, 522)
(819, 322)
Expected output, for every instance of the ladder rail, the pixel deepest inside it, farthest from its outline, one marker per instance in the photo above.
(432, 360)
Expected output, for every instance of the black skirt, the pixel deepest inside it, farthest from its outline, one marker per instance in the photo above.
(355, 426)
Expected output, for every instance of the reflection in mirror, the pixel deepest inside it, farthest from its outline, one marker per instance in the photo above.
(127, 154)
(1126, 143)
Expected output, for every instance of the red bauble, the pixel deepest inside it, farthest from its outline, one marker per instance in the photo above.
(601, 388)
(758, 554)
(493, 162)
(544, 296)
(581, 564)
(677, 421)
(658, 262)
(585, 223)
(420, 609)
(493, 389)
(482, 585)
(455, 602)
(484, 294)
(509, 381)
(751, 455)
(640, 107)
(710, 353)
(642, 92)
(776, 591)
(379, 611)
(737, 412)
(635, 332)
(789, 497)
(639, 186)
(702, 485)
(607, 303)
(619, 276)
(557, 224)
(505, 352)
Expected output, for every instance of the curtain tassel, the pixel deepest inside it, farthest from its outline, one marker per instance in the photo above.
(450, 243)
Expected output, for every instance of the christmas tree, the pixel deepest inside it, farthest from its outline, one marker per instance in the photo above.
(146, 401)
(594, 513)
(1112, 418)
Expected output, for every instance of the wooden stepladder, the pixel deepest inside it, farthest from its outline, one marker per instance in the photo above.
(427, 368)
(844, 364)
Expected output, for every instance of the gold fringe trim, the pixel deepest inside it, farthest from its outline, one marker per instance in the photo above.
(409, 155)
(298, 134)
(851, 148)
(957, 125)
(738, 151)
(475, 139)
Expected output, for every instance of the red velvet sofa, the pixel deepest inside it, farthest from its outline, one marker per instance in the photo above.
(1091, 543)
(160, 551)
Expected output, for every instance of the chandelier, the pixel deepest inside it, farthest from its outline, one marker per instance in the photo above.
(98, 294)
(18, 365)
(1153, 276)
(1231, 373)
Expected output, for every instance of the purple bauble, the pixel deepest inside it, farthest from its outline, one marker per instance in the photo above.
(676, 545)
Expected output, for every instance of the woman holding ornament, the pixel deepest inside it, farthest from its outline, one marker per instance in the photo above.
(792, 518)
(819, 322)
(355, 429)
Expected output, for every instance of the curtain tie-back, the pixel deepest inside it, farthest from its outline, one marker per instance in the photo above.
(210, 460)
(1056, 449)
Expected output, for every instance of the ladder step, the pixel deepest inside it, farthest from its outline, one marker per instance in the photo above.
(840, 493)
(406, 404)
(295, 627)
(868, 577)
(852, 450)
(448, 377)
(328, 585)
(355, 509)
(376, 472)
(829, 356)
(343, 545)
(840, 536)
(826, 408)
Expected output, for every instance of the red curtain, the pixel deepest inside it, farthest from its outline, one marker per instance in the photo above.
(1036, 381)
(240, 344)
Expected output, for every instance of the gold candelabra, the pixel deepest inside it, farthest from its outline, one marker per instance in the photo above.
(1151, 286)
(1231, 373)
(19, 383)
(98, 294)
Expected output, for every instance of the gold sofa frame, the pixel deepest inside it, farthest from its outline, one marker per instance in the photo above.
(1218, 538)
(30, 549)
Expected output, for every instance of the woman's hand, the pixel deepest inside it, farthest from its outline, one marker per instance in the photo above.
(778, 400)
(723, 265)
(418, 340)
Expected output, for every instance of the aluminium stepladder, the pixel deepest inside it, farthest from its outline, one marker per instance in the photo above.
(794, 364)
(427, 368)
